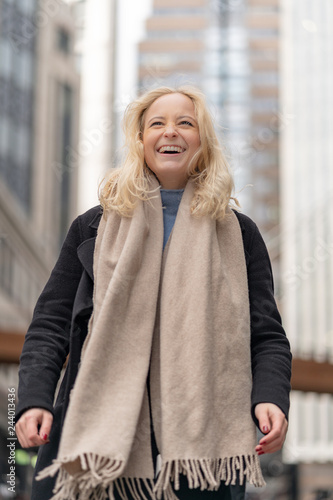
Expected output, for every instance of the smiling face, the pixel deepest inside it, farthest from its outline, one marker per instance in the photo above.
(170, 139)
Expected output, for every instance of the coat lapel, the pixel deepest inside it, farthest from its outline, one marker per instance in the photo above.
(85, 251)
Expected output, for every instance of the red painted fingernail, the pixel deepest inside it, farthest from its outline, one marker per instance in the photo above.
(44, 437)
(261, 453)
(265, 429)
(263, 442)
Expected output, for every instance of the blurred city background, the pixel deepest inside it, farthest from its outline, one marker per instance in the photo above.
(67, 72)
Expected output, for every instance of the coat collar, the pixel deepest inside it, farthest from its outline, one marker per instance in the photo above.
(85, 250)
(94, 223)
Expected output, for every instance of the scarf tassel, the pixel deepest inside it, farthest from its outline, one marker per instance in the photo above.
(134, 487)
(207, 474)
(99, 476)
(95, 480)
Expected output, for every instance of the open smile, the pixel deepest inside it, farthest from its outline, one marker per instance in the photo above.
(171, 150)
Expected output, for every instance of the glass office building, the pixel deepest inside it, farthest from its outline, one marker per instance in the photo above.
(17, 68)
(38, 127)
(230, 49)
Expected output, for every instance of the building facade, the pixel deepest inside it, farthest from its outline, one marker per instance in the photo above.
(307, 235)
(38, 122)
(265, 67)
(230, 50)
(250, 112)
(39, 90)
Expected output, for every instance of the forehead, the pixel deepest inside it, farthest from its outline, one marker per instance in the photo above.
(171, 104)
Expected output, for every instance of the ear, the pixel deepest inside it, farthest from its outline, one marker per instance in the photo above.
(140, 136)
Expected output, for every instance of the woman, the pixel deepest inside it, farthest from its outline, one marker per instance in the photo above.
(185, 351)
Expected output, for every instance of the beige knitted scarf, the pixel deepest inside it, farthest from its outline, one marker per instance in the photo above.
(183, 316)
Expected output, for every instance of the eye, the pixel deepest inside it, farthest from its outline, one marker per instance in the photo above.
(156, 124)
(186, 122)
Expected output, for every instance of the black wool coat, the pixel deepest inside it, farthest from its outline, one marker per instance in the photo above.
(60, 320)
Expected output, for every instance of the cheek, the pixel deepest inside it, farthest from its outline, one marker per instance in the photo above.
(194, 140)
(196, 143)
(148, 150)
(149, 143)
(147, 140)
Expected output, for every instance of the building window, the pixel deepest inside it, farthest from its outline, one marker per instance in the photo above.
(5, 59)
(65, 140)
(23, 70)
(27, 7)
(4, 136)
(17, 65)
(63, 41)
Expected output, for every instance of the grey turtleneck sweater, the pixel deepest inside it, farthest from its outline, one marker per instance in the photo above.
(170, 201)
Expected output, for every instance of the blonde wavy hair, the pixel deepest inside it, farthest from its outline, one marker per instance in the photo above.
(121, 190)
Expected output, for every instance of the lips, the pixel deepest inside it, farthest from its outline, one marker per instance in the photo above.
(170, 149)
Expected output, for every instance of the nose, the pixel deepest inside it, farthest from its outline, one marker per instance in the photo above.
(170, 130)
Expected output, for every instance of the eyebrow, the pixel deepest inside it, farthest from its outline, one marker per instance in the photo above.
(156, 118)
(187, 116)
(179, 118)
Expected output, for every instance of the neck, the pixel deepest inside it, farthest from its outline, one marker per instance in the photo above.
(173, 183)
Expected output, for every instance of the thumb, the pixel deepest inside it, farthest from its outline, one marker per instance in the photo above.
(262, 414)
(46, 424)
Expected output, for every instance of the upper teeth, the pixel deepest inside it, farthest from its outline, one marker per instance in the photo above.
(178, 149)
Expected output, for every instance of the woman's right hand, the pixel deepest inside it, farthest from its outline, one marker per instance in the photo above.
(33, 427)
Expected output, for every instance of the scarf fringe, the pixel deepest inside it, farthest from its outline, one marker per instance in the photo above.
(207, 474)
(134, 486)
(95, 480)
(100, 476)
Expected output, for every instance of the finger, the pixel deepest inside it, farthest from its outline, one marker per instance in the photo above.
(31, 431)
(20, 435)
(21, 430)
(273, 441)
(264, 423)
(262, 414)
(27, 427)
(46, 424)
(271, 423)
(270, 448)
(275, 434)
(271, 436)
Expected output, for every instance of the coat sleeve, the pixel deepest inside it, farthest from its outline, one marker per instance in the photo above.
(270, 349)
(47, 339)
